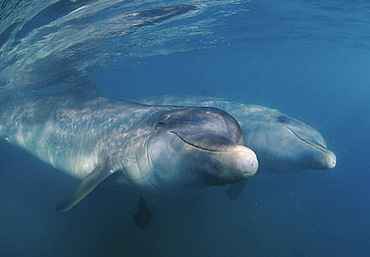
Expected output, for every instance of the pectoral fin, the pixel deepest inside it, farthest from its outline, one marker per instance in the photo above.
(145, 214)
(92, 181)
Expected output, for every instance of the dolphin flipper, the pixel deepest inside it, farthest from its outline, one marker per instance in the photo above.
(91, 181)
(235, 190)
(145, 213)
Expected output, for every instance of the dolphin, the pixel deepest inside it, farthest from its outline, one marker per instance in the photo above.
(282, 142)
(156, 151)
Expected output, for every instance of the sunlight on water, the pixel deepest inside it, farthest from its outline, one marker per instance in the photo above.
(49, 42)
(52, 41)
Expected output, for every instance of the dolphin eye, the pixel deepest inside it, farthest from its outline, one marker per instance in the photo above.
(162, 121)
(159, 124)
(282, 119)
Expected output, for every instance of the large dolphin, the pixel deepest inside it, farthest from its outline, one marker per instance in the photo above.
(283, 143)
(156, 151)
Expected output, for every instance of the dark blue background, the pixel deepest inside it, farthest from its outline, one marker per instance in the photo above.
(312, 213)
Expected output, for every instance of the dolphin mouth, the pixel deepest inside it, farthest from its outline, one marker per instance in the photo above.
(315, 145)
(328, 161)
(206, 142)
(230, 162)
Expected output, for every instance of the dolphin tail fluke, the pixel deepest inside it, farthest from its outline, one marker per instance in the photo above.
(145, 214)
(235, 190)
(92, 181)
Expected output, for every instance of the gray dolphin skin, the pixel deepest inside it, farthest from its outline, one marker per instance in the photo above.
(156, 151)
(282, 143)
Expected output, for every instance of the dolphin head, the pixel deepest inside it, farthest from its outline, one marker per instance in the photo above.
(286, 144)
(198, 147)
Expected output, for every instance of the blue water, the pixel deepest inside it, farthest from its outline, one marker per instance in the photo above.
(306, 58)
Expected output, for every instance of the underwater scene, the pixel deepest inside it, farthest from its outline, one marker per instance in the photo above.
(184, 128)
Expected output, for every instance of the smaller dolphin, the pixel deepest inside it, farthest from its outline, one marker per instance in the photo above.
(156, 151)
(282, 143)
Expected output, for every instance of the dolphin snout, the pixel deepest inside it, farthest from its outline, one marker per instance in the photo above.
(331, 161)
(245, 160)
(236, 163)
(322, 160)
